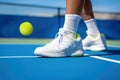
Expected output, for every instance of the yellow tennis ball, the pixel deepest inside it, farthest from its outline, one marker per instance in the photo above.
(26, 28)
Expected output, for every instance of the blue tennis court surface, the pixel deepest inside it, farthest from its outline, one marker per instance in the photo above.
(17, 62)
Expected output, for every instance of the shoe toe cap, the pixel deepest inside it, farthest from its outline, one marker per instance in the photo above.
(37, 51)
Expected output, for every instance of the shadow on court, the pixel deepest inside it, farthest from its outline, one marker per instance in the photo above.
(110, 51)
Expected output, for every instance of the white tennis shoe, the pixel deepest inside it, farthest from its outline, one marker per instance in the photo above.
(94, 43)
(63, 45)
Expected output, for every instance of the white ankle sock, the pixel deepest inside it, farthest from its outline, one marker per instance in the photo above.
(92, 29)
(71, 23)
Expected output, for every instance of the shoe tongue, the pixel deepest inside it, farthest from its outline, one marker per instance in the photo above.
(69, 34)
(66, 32)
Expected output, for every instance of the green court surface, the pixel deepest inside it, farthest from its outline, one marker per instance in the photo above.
(43, 41)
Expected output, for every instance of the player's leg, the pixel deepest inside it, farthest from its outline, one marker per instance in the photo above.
(94, 40)
(88, 16)
(72, 17)
(66, 43)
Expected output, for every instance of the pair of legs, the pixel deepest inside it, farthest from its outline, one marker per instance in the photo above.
(68, 43)
(83, 8)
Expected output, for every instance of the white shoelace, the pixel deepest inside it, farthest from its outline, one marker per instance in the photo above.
(59, 37)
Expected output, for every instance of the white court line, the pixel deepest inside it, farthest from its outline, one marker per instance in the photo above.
(103, 58)
(106, 59)
(96, 57)
(18, 57)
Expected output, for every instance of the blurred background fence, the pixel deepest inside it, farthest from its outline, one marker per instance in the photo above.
(47, 20)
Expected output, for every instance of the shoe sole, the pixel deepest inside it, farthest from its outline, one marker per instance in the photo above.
(73, 53)
(92, 49)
